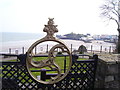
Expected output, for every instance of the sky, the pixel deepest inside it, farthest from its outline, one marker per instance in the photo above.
(78, 16)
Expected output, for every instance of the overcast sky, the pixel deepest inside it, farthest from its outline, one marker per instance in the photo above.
(78, 16)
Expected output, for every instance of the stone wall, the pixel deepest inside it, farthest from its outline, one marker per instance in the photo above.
(108, 73)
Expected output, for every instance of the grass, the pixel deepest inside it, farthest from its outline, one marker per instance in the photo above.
(58, 60)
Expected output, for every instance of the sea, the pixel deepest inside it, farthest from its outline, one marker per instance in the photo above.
(13, 42)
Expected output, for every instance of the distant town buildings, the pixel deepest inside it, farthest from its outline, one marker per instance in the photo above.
(88, 37)
(107, 38)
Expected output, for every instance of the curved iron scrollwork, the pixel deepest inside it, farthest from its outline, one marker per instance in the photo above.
(50, 61)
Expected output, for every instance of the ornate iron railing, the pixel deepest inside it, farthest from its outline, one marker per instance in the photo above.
(81, 75)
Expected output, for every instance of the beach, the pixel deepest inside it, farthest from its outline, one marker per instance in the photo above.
(72, 44)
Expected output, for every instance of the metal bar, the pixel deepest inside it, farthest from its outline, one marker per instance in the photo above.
(10, 63)
(43, 74)
(71, 47)
(47, 49)
(40, 55)
(9, 50)
(23, 50)
(110, 49)
(100, 49)
(65, 64)
(91, 48)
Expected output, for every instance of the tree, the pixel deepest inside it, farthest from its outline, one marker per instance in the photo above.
(111, 11)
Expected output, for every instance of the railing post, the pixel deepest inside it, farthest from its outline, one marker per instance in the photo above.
(91, 47)
(110, 49)
(16, 51)
(105, 50)
(71, 47)
(43, 78)
(23, 50)
(43, 74)
(100, 49)
(9, 50)
(65, 64)
(47, 49)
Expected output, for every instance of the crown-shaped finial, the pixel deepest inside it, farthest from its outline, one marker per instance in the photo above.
(50, 28)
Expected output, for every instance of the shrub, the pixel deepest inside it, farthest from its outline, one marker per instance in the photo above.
(59, 53)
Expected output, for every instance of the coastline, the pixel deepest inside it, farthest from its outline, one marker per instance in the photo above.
(18, 45)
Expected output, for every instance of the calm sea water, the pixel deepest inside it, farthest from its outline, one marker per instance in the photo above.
(16, 41)
(13, 36)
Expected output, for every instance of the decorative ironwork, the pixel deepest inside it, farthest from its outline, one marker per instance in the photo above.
(50, 61)
(81, 76)
(50, 28)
